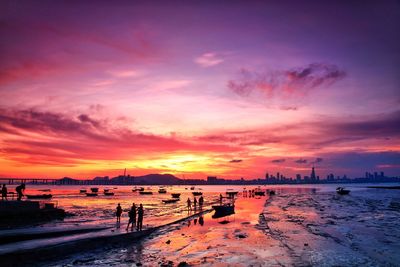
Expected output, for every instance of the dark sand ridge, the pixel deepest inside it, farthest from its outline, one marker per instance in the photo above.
(28, 253)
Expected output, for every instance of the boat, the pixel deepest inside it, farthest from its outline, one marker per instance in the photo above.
(176, 195)
(231, 193)
(94, 189)
(192, 188)
(108, 193)
(271, 192)
(166, 201)
(145, 192)
(42, 196)
(259, 193)
(91, 194)
(82, 191)
(106, 189)
(223, 210)
(136, 189)
(342, 191)
(162, 190)
(197, 193)
(141, 189)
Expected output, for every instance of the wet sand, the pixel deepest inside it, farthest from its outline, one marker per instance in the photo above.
(297, 227)
(236, 240)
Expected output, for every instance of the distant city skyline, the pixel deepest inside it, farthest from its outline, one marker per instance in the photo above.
(199, 88)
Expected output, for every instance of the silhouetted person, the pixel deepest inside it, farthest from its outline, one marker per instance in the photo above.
(195, 203)
(118, 213)
(4, 192)
(132, 217)
(220, 199)
(201, 202)
(19, 190)
(140, 218)
(189, 204)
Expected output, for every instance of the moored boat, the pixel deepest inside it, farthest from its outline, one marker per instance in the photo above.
(176, 195)
(145, 192)
(108, 193)
(162, 190)
(342, 191)
(197, 193)
(82, 191)
(173, 200)
(91, 194)
(223, 210)
(94, 189)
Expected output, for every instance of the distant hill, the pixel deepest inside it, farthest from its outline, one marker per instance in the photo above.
(157, 179)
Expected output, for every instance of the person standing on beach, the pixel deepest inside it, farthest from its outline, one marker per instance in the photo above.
(132, 217)
(4, 192)
(19, 190)
(195, 203)
(201, 201)
(220, 199)
(118, 213)
(189, 204)
(140, 218)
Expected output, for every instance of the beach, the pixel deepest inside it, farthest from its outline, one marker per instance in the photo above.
(308, 225)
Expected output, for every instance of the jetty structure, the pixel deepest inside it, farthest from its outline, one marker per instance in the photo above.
(26, 212)
(27, 247)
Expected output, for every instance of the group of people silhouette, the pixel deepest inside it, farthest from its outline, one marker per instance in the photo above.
(19, 189)
(195, 202)
(135, 217)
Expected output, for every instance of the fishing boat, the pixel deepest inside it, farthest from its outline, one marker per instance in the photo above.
(94, 189)
(162, 190)
(231, 193)
(176, 195)
(42, 196)
(145, 192)
(271, 192)
(82, 191)
(167, 201)
(197, 193)
(259, 193)
(223, 210)
(342, 191)
(192, 188)
(91, 194)
(108, 193)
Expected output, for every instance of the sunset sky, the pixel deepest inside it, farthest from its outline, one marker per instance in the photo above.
(196, 88)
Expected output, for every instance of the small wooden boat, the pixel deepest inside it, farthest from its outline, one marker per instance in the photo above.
(108, 193)
(162, 191)
(197, 193)
(82, 191)
(42, 196)
(145, 192)
(192, 188)
(94, 189)
(271, 192)
(342, 191)
(223, 210)
(176, 195)
(166, 201)
(91, 194)
(106, 189)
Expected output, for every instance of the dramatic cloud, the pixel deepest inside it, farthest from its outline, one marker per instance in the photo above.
(296, 81)
(301, 161)
(209, 60)
(235, 160)
(278, 160)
